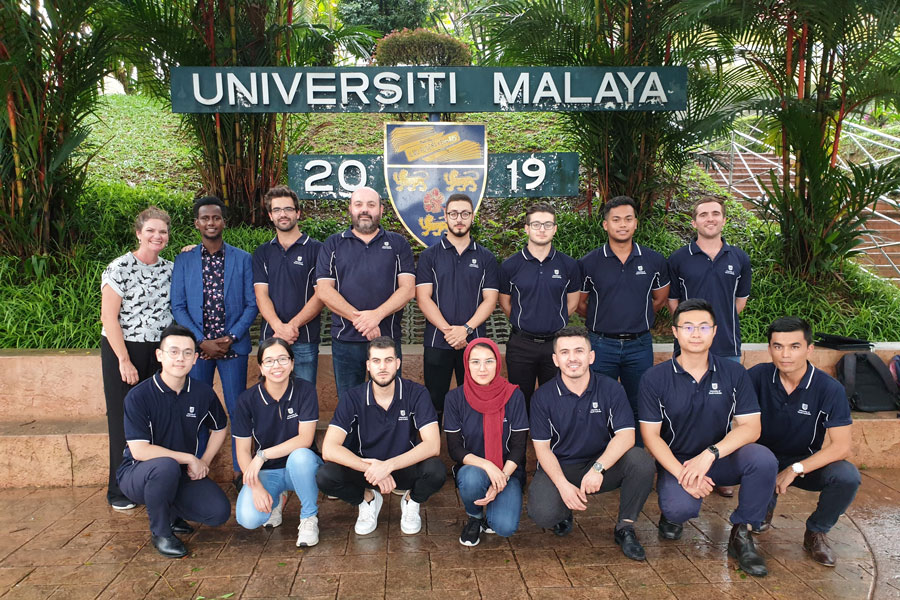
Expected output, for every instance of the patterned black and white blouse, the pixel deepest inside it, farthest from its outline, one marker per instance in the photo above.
(146, 308)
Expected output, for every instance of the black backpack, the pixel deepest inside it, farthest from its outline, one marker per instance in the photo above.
(868, 382)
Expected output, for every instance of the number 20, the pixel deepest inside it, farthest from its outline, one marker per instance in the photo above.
(312, 182)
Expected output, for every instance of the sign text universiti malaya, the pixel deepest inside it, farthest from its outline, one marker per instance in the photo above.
(426, 89)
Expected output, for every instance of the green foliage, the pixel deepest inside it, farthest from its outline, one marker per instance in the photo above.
(384, 15)
(421, 47)
(52, 60)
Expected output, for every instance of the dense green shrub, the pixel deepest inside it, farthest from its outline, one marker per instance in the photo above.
(421, 47)
(384, 15)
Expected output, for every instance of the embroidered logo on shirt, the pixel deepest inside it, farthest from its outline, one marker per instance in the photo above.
(387, 246)
(291, 414)
(474, 263)
(595, 408)
(804, 410)
(556, 274)
(403, 416)
(715, 390)
(640, 270)
(299, 261)
(191, 413)
(730, 270)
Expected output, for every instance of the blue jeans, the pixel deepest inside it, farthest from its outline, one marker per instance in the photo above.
(298, 476)
(306, 361)
(504, 512)
(233, 373)
(349, 361)
(837, 484)
(626, 361)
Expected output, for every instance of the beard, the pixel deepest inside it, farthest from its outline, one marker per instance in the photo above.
(367, 227)
(386, 383)
(452, 231)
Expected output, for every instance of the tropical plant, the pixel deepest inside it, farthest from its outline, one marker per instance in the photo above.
(421, 47)
(53, 56)
(384, 16)
(449, 16)
(239, 155)
(631, 153)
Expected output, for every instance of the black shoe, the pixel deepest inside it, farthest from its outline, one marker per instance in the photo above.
(669, 530)
(766, 524)
(238, 482)
(170, 547)
(631, 547)
(179, 525)
(564, 527)
(471, 533)
(741, 547)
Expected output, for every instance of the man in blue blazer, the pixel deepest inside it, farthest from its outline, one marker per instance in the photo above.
(212, 295)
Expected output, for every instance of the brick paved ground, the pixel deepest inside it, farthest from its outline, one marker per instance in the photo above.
(66, 543)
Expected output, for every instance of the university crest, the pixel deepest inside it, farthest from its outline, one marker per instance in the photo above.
(424, 164)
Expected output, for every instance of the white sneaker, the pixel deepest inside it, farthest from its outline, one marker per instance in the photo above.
(275, 517)
(308, 531)
(367, 520)
(410, 521)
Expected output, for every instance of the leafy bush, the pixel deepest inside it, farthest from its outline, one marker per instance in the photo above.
(421, 47)
(384, 15)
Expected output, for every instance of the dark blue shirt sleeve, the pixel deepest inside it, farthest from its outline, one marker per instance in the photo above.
(515, 412)
(325, 264)
(215, 418)
(540, 418)
(452, 416)
(743, 288)
(649, 401)
(423, 407)
(242, 419)
(620, 413)
(424, 274)
(585, 274)
(674, 288)
(309, 401)
(505, 278)
(405, 255)
(260, 274)
(836, 406)
(491, 273)
(137, 419)
(575, 277)
(344, 413)
(662, 267)
(745, 400)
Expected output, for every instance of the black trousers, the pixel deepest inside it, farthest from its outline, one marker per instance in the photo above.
(633, 472)
(439, 365)
(526, 361)
(143, 357)
(423, 480)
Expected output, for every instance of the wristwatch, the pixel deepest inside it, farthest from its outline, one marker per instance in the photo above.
(261, 454)
(598, 466)
(714, 450)
(797, 468)
(469, 330)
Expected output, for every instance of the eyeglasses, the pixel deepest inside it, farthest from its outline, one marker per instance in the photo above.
(175, 353)
(287, 210)
(690, 329)
(459, 214)
(548, 225)
(281, 360)
(488, 362)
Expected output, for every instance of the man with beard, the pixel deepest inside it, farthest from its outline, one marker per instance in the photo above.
(456, 288)
(539, 288)
(212, 296)
(624, 285)
(366, 276)
(284, 279)
(371, 446)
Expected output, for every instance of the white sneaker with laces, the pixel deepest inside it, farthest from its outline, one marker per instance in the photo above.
(367, 520)
(410, 521)
(308, 531)
(276, 516)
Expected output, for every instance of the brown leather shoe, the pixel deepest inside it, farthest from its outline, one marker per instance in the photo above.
(726, 491)
(816, 543)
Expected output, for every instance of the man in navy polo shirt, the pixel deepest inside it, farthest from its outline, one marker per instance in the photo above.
(366, 276)
(801, 407)
(284, 280)
(457, 285)
(583, 434)
(624, 285)
(371, 449)
(163, 419)
(687, 405)
(539, 289)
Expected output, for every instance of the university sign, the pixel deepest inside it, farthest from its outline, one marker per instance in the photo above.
(426, 89)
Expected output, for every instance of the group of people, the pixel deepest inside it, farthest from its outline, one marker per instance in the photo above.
(600, 415)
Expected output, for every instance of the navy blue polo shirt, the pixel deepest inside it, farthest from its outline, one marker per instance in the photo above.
(720, 282)
(154, 413)
(365, 275)
(373, 432)
(795, 424)
(695, 415)
(538, 290)
(457, 281)
(459, 416)
(271, 422)
(290, 276)
(579, 427)
(620, 296)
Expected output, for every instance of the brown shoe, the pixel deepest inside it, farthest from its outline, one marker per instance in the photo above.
(816, 543)
(726, 491)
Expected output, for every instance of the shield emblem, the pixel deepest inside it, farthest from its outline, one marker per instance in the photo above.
(425, 163)
(805, 406)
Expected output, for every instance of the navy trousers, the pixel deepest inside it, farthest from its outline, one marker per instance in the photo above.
(837, 484)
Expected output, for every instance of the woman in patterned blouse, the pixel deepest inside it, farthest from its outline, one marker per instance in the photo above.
(134, 310)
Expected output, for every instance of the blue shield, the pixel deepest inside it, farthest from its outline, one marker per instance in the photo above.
(424, 163)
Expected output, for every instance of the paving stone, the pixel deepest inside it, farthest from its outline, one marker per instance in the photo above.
(500, 583)
(608, 592)
(307, 586)
(216, 587)
(748, 590)
(363, 586)
(409, 571)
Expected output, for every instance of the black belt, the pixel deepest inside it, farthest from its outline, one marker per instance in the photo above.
(540, 339)
(623, 336)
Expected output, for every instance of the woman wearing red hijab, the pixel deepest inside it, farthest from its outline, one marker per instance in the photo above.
(487, 431)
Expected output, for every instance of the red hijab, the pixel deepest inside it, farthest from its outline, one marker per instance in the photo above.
(489, 400)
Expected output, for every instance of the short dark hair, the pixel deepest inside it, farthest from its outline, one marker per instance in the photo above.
(788, 324)
(571, 331)
(268, 343)
(537, 207)
(209, 201)
(706, 200)
(176, 330)
(618, 201)
(459, 198)
(381, 342)
(693, 304)
(281, 191)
